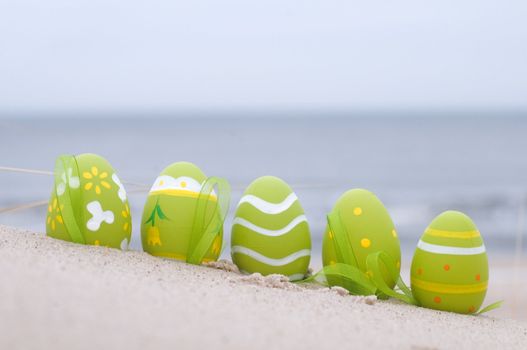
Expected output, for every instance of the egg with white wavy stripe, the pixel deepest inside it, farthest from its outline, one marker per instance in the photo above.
(168, 215)
(89, 202)
(450, 268)
(270, 233)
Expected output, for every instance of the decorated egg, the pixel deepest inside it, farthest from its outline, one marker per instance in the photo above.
(270, 233)
(367, 228)
(169, 214)
(88, 204)
(450, 268)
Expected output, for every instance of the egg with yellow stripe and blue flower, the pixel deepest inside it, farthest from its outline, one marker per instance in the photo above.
(450, 268)
(169, 213)
(270, 232)
(88, 204)
(365, 227)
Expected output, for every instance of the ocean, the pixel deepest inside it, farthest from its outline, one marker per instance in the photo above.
(418, 166)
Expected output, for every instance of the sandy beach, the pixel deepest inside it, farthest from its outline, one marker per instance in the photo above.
(59, 295)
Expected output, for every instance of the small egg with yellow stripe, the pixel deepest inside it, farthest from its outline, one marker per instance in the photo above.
(450, 268)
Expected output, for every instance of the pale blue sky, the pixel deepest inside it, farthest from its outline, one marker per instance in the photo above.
(166, 54)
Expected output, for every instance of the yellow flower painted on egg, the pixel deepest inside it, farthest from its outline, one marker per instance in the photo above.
(55, 214)
(96, 180)
(216, 245)
(153, 237)
(126, 215)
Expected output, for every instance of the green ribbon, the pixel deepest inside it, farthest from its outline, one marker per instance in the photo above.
(65, 201)
(209, 217)
(345, 273)
(345, 276)
(343, 247)
(373, 263)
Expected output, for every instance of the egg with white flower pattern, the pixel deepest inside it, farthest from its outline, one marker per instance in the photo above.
(88, 203)
(270, 233)
(169, 213)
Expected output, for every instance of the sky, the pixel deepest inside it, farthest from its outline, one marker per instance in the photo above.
(162, 55)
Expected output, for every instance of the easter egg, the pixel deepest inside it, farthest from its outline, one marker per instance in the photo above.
(270, 233)
(369, 229)
(450, 269)
(169, 212)
(89, 203)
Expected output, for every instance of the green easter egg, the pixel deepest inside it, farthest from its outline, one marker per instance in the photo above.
(369, 228)
(168, 215)
(89, 203)
(450, 268)
(270, 233)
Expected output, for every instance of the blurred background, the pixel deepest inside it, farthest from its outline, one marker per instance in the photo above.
(425, 104)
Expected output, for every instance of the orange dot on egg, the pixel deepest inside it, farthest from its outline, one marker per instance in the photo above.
(471, 309)
(478, 277)
(419, 271)
(437, 300)
(446, 267)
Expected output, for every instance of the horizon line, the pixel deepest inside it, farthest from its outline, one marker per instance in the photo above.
(256, 113)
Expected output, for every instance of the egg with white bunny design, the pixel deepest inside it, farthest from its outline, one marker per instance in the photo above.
(88, 203)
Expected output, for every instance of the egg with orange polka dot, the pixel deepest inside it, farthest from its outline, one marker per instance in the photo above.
(450, 269)
(168, 215)
(368, 228)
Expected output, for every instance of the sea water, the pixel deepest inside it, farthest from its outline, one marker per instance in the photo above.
(418, 166)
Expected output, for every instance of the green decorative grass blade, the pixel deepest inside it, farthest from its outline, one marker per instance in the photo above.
(208, 222)
(490, 307)
(345, 276)
(373, 263)
(70, 196)
(345, 272)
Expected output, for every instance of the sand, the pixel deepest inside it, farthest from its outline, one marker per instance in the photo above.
(60, 295)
